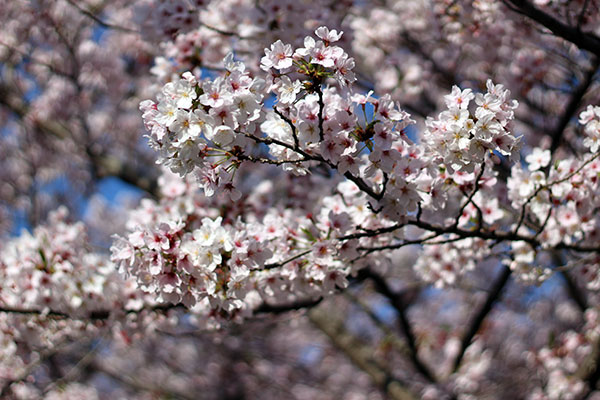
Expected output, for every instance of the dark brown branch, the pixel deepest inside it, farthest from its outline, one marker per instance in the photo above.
(470, 199)
(573, 105)
(383, 288)
(288, 260)
(93, 315)
(380, 323)
(24, 311)
(291, 125)
(395, 246)
(97, 20)
(492, 297)
(135, 383)
(100, 315)
(583, 40)
(283, 308)
(372, 232)
(361, 356)
(321, 110)
(362, 185)
(501, 237)
(224, 33)
(575, 292)
(494, 235)
(589, 369)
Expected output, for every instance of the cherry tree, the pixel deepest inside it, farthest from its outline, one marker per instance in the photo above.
(388, 199)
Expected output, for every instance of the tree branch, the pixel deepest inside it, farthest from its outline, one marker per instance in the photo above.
(99, 315)
(589, 370)
(135, 383)
(97, 20)
(573, 105)
(383, 288)
(380, 323)
(492, 297)
(574, 291)
(361, 357)
(583, 40)
(283, 308)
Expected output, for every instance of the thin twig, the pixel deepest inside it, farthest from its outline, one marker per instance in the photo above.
(97, 20)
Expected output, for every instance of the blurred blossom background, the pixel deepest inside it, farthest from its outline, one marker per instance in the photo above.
(76, 169)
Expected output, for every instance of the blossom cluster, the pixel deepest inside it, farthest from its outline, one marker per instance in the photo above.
(367, 181)
(189, 118)
(197, 251)
(207, 263)
(210, 128)
(558, 200)
(590, 119)
(461, 139)
(53, 269)
(443, 264)
(52, 289)
(563, 361)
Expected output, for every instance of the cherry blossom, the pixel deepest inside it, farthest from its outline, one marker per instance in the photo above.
(352, 199)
